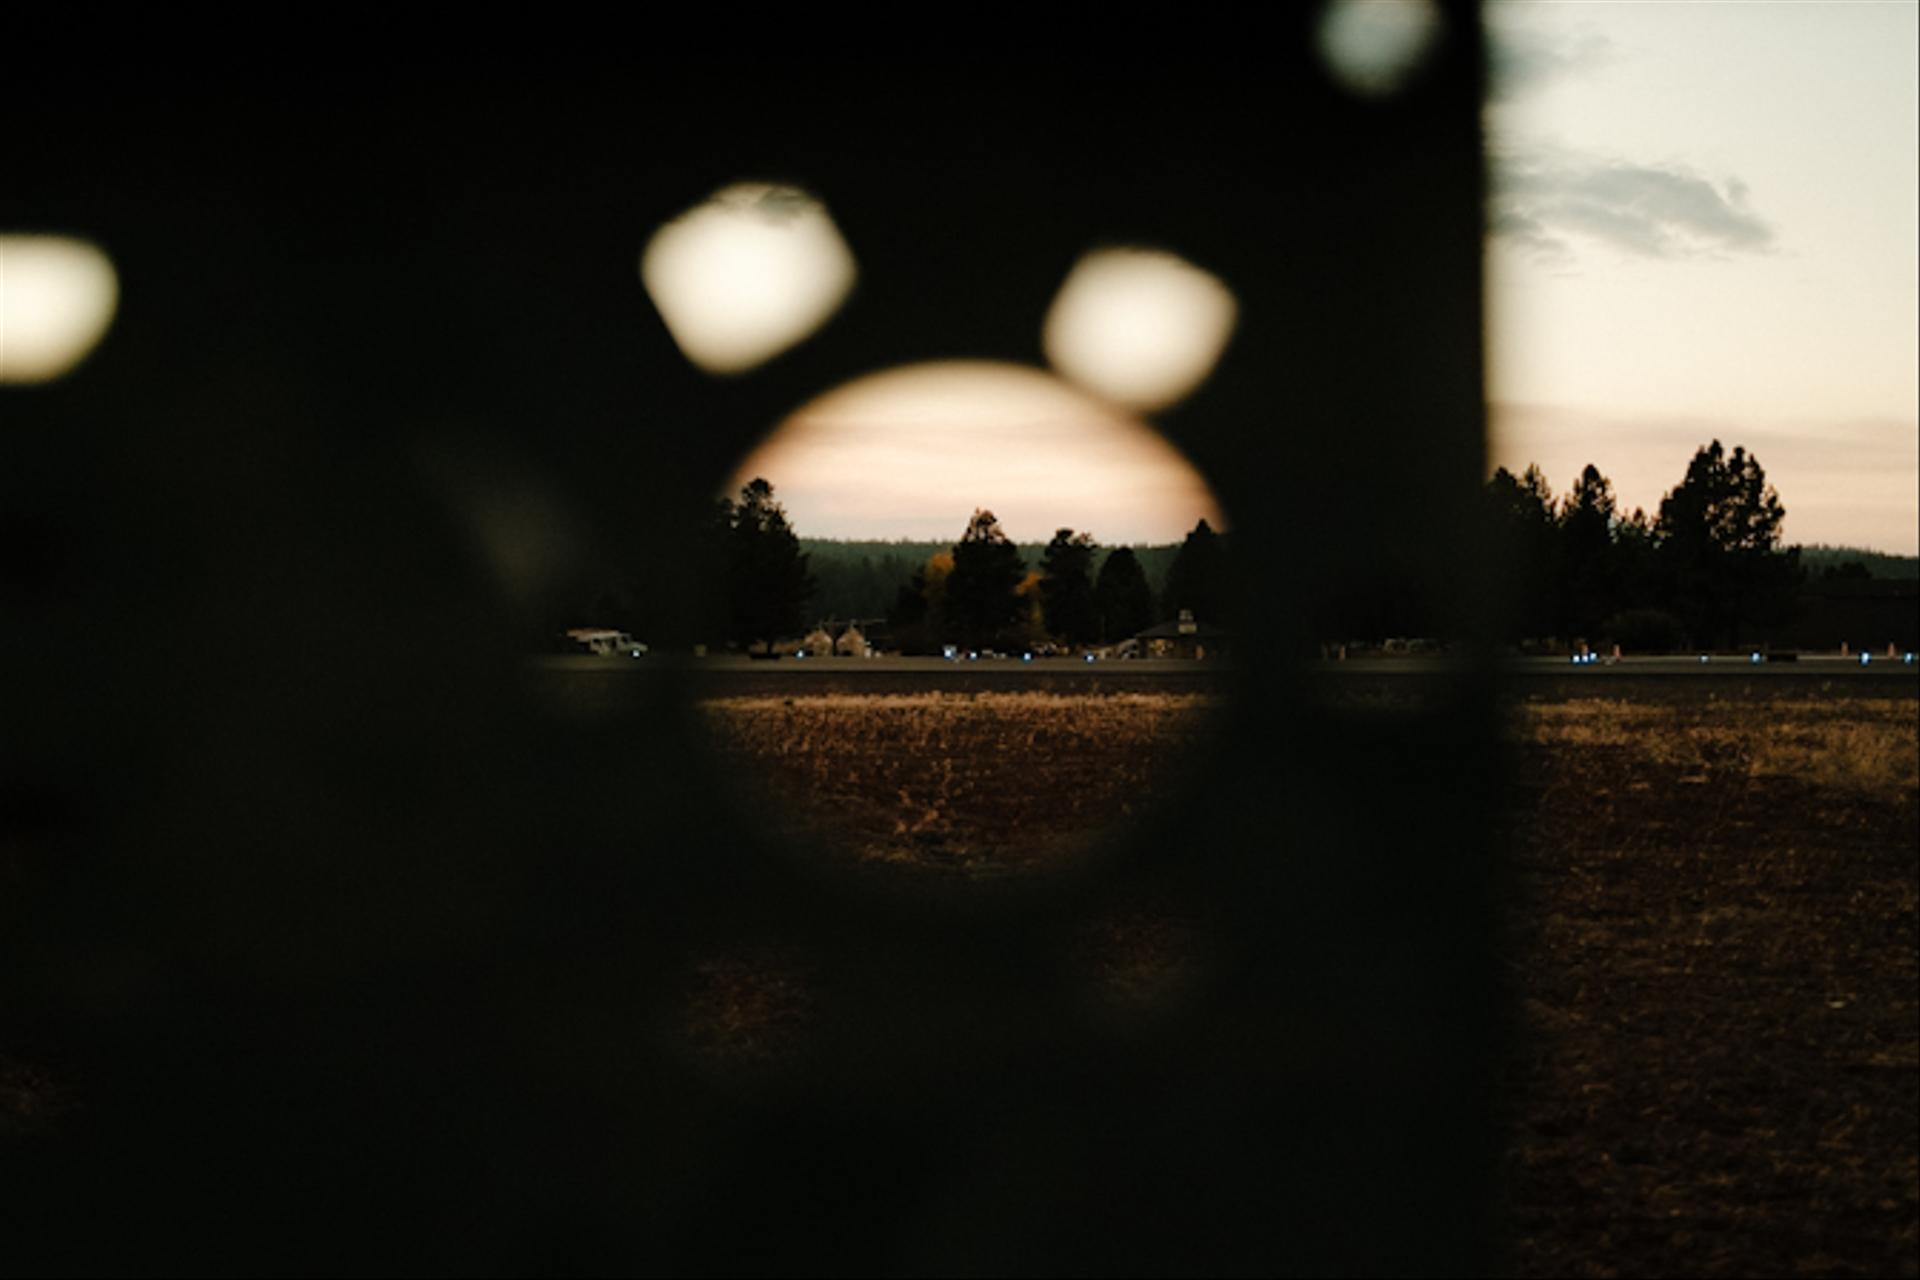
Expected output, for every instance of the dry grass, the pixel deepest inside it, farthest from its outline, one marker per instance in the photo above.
(971, 786)
(1710, 937)
(976, 783)
(1865, 746)
(1712, 943)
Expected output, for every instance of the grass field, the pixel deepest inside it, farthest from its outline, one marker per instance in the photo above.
(980, 784)
(1709, 935)
(1712, 944)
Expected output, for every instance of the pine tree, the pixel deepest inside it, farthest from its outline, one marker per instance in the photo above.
(1718, 547)
(1066, 588)
(1122, 596)
(767, 580)
(1197, 580)
(982, 600)
(1590, 572)
(1527, 539)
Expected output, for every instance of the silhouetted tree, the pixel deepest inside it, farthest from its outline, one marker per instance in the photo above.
(1527, 538)
(1066, 588)
(767, 580)
(1030, 628)
(1636, 623)
(1634, 546)
(907, 619)
(1718, 547)
(917, 620)
(982, 600)
(1122, 596)
(1197, 579)
(1590, 569)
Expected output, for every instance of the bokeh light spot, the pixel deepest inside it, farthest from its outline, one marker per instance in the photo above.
(57, 297)
(1373, 47)
(1140, 327)
(746, 274)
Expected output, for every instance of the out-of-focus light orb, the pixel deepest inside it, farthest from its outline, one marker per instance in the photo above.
(1141, 327)
(1373, 47)
(57, 297)
(746, 274)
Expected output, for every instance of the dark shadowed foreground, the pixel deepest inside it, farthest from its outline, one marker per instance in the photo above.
(1713, 942)
(1710, 939)
(982, 783)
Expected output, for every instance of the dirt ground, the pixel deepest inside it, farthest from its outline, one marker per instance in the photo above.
(1713, 952)
(1710, 939)
(976, 784)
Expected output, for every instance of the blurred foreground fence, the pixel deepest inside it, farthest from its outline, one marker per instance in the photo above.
(346, 946)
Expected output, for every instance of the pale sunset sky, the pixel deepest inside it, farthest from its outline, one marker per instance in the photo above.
(1704, 223)
(1704, 226)
(910, 452)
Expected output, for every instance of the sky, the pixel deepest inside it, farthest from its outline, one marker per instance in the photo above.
(1704, 226)
(948, 436)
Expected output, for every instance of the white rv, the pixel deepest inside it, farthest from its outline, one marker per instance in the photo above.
(604, 643)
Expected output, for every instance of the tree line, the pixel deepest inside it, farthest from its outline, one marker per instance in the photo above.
(1826, 563)
(859, 578)
(977, 593)
(1707, 570)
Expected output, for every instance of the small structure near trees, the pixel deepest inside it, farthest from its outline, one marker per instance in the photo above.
(1185, 637)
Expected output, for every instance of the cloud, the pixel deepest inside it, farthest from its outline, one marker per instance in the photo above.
(1529, 233)
(1652, 211)
(1522, 53)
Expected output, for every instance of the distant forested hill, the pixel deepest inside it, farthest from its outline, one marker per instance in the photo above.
(1819, 558)
(860, 579)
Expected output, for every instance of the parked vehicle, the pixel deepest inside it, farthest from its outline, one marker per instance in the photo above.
(603, 643)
